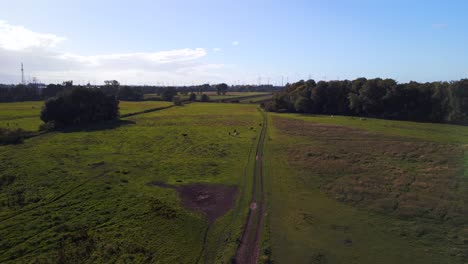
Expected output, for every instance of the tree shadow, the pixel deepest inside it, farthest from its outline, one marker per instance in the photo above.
(99, 126)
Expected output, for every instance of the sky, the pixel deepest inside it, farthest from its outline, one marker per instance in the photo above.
(189, 42)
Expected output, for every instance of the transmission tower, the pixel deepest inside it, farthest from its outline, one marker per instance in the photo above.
(22, 74)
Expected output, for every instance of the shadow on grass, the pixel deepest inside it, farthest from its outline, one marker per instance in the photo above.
(104, 125)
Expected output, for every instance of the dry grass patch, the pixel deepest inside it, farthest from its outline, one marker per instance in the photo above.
(405, 178)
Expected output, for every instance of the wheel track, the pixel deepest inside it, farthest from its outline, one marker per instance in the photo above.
(249, 247)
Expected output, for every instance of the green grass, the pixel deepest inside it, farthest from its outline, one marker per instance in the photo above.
(23, 115)
(324, 194)
(83, 196)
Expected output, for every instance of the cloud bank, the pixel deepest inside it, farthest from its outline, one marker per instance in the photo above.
(42, 60)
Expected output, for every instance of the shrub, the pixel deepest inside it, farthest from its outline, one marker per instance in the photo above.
(80, 106)
(192, 97)
(176, 100)
(205, 98)
(11, 136)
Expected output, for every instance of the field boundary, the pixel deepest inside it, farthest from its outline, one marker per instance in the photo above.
(147, 111)
(230, 100)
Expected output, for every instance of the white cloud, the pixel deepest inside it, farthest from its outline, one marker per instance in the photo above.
(235, 43)
(440, 26)
(216, 50)
(20, 38)
(162, 57)
(42, 60)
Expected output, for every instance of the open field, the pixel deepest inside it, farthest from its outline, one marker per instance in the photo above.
(143, 189)
(25, 115)
(350, 190)
(102, 195)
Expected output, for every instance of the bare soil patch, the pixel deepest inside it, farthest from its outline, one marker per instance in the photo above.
(212, 200)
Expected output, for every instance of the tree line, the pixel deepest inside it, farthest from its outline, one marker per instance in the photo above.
(33, 92)
(438, 102)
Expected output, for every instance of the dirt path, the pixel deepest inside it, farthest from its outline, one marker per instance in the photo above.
(249, 247)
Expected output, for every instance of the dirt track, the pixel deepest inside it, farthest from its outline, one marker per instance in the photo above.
(249, 247)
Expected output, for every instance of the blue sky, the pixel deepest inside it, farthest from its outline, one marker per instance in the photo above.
(185, 42)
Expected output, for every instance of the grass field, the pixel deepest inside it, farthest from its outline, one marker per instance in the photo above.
(25, 115)
(350, 190)
(338, 189)
(87, 197)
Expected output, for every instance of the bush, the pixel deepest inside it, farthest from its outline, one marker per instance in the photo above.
(176, 100)
(49, 126)
(205, 98)
(192, 97)
(80, 106)
(11, 136)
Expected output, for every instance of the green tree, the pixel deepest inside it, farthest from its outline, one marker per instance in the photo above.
(302, 105)
(221, 88)
(79, 106)
(111, 87)
(168, 94)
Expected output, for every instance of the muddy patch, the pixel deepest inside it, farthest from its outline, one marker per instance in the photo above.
(212, 200)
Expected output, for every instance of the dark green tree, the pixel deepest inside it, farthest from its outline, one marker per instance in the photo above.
(79, 106)
(222, 88)
(168, 94)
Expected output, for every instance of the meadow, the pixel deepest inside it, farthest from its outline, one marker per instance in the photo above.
(23, 115)
(337, 189)
(102, 196)
(360, 190)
